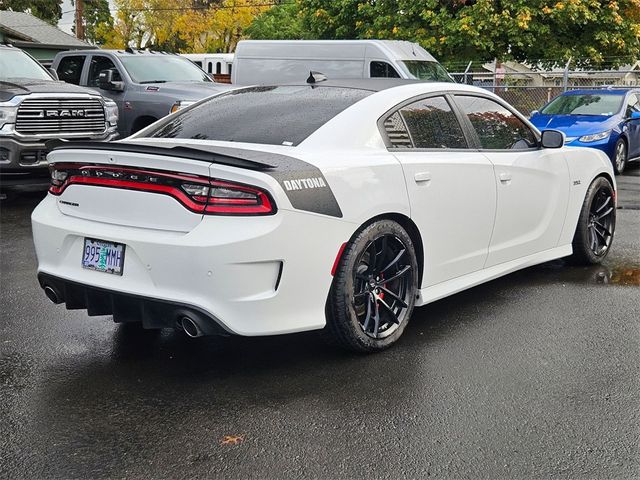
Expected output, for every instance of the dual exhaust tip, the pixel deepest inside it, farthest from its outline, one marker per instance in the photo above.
(186, 323)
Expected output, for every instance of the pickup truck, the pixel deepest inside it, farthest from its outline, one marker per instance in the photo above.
(145, 85)
(36, 107)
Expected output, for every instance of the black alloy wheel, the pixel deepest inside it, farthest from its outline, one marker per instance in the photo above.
(382, 280)
(596, 225)
(374, 289)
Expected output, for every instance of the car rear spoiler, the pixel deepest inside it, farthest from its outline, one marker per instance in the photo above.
(234, 157)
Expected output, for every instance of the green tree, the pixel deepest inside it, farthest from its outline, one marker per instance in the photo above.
(48, 10)
(456, 30)
(282, 22)
(97, 19)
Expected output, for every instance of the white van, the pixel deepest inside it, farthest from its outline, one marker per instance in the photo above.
(260, 62)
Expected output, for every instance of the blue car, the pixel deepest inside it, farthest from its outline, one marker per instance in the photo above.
(606, 119)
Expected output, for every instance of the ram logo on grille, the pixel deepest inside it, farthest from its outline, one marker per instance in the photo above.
(64, 113)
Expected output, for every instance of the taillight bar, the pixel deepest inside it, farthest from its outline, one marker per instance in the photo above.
(195, 192)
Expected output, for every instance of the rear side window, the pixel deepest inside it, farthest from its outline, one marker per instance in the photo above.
(497, 127)
(431, 123)
(70, 69)
(267, 115)
(379, 69)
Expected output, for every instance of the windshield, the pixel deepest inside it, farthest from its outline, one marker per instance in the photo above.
(17, 64)
(425, 70)
(161, 68)
(267, 115)
(587, 104)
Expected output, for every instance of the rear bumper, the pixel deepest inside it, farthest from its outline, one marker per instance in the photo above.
(152, 312)
(251, 275)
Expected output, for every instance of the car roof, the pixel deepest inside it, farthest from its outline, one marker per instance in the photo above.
(601, 91)
(123, 53)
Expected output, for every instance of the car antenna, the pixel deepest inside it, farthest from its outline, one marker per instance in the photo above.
(129, 50)
(315, 77)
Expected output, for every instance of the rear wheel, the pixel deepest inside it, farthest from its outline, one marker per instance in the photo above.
(620, 156)
(374, 289)
(596, 225)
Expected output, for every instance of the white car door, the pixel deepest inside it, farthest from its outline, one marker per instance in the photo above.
(532, 183)
(451, 188)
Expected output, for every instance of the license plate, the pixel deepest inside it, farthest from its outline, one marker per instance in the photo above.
(103, 256)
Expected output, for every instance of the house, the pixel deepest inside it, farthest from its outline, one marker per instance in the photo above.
(36, 36)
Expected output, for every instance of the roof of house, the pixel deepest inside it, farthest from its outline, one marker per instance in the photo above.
(26, 27)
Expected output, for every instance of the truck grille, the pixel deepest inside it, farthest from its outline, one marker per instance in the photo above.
(60, 116)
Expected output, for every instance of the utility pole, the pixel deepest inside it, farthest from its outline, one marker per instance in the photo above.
(80, 19)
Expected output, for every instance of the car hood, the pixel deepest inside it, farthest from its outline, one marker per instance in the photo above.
(25, 86)
(189, 90)
(574, 125)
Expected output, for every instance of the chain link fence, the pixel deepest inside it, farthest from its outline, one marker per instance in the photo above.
(528, 88)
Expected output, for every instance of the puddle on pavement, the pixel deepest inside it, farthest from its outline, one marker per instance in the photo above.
(624, 274)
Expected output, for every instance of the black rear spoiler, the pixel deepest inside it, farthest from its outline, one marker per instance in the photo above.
(233, 157)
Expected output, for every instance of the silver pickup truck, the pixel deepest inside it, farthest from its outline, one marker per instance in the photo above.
(145, 85)
(36, 107)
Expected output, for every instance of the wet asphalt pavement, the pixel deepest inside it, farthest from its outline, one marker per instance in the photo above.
(534, 375)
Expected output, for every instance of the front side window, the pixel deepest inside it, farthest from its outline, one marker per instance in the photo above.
(497, 127)
(633, 105)
(16, 64)
(267, 115)
(70, 69)
(585, 104)
(426, 70)
(98, 64)
(432, 124)
(161, 68)
(379, 69)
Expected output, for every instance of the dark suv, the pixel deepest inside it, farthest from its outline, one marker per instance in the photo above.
(145, 85)
(36, 107)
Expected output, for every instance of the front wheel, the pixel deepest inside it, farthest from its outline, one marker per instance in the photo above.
(620, 157)
(596, 224)
(374, 289)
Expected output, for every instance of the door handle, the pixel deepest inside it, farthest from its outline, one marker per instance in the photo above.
(505, 177)
(422, 177)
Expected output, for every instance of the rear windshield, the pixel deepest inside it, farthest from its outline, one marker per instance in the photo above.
(587, 104)
(267, 115)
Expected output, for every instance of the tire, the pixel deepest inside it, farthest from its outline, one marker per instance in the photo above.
(620, 156)
(365, 312)
(596, 224)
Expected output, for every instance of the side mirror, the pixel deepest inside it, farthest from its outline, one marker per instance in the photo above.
(634, 115)
(53, 73)
(533, 113)
(106, 81)
(552, 139)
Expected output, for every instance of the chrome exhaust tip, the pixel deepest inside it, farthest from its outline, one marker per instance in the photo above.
(52, 294)
(190, 327)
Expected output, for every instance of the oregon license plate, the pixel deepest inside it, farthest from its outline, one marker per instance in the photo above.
(103, 256)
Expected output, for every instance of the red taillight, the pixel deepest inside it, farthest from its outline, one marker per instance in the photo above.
(198, 194)
(336, 262)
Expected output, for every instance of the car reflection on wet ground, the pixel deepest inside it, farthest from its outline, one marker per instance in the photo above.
(532, 375)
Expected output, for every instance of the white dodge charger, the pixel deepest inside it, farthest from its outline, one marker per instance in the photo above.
(335, 205)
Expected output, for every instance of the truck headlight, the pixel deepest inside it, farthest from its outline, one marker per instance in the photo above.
(594, 137)
(111, 112)
(8, 115)
(180, 104)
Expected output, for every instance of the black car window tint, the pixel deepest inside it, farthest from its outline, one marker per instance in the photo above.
(97, 65)
(283, 115)
(432, 124)
(497, 127)
(70, 69)
(379, 69)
